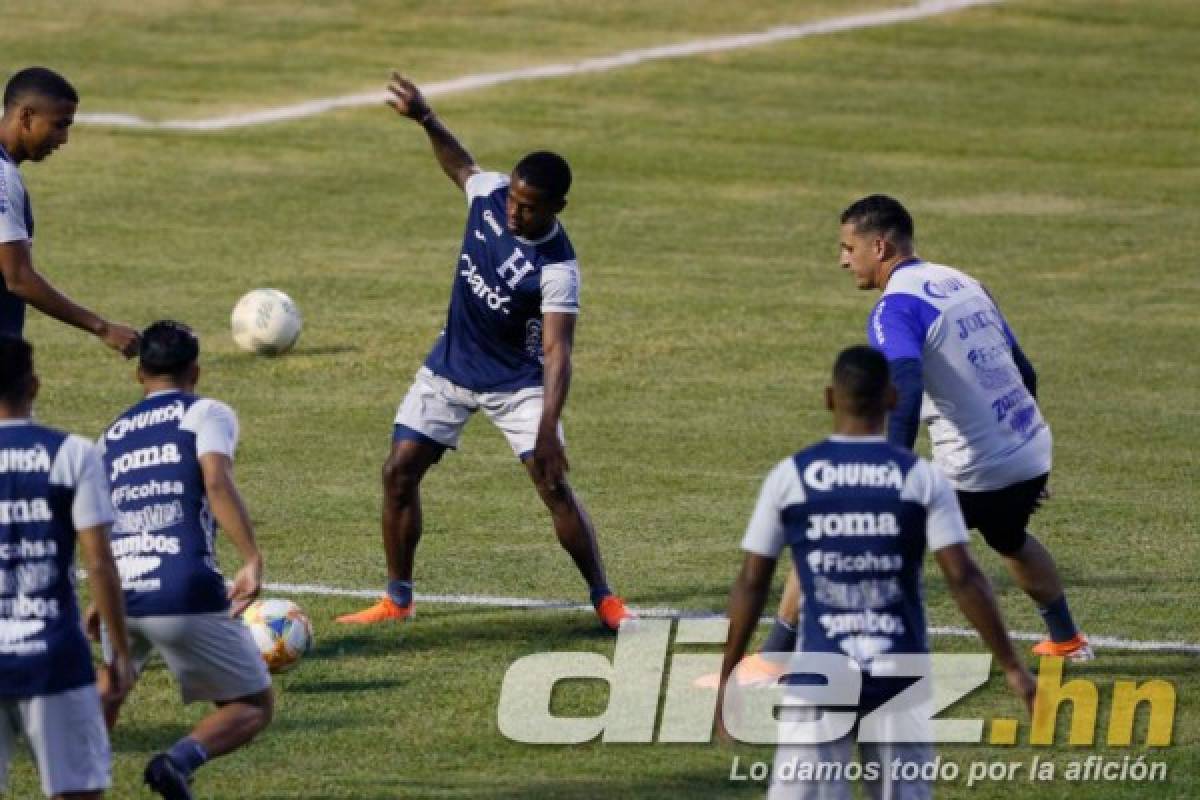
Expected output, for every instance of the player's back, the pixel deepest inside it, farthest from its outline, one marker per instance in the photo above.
(42, 648)
(163, 535)
(856, 527)
(986, 428)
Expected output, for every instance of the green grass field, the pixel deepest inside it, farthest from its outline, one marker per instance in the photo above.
(1046, 147)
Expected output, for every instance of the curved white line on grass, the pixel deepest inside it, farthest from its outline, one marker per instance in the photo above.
(530, 603)
(920, 10)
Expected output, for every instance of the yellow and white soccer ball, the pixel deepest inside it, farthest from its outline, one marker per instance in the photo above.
(267, 322)
(281, 630)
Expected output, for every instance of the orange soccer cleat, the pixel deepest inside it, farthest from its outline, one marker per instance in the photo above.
(612, 612)
(1074, 649)
(386, 609)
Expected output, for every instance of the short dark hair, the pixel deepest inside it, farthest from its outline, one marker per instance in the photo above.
(881, 214)
(861, 376)
(547, 172)
(168, 347)
(16, 368)
(39, 81)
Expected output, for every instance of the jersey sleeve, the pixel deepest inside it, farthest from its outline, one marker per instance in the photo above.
(481, 184)
(944, 524)
(560, 287)
(79, 466)
(899, 326)
(216, 427)
(12, 206)
(782, 488)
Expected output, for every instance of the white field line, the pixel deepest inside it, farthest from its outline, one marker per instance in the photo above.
(628, 58)
(1108, 642)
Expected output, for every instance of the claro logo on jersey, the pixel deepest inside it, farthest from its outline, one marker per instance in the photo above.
(145, 457)
(824, 475)
(144, 419)
(490, 295)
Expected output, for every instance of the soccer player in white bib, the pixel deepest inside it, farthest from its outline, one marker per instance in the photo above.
(170, 462)
(505, 350)
(859, 514)
(52, 493)
(39, 108)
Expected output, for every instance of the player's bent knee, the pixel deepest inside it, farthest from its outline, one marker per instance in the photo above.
(264, 704)
(1005, 541)
(401, 475)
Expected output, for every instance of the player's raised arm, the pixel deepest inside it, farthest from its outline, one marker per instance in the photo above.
(407, 100)
(16, 266)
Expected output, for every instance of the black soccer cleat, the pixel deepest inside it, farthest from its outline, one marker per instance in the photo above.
(164, 778)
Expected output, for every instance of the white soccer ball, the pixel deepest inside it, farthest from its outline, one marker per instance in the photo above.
(267, 322)
(281, 630)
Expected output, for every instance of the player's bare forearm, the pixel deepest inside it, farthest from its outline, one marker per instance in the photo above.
(227, 505)
(451, 156)
(557, 382)
(105, 585)
(973, 594)
(407, 100)
(16, 264)
(746, 601)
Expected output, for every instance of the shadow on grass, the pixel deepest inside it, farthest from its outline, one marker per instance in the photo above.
(325, 687)
(148, 737)
(329, 350)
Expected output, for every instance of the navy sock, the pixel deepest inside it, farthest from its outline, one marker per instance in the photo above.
(599, 593)
(400, 592)
(1058, 620)
(187, 754)
(781, 639)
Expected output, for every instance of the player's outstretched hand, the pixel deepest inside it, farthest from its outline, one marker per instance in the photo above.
(406, 98)
(1022, 684)
(246, 586)
(121, 338)
(550, 462)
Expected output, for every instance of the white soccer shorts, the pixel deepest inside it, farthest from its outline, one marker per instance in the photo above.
(67, 735)
(212, 656)
(439, 409)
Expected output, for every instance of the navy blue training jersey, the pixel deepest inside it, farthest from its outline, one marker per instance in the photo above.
(51, 485)
(163, 536)
(858, 514)
(503, 283)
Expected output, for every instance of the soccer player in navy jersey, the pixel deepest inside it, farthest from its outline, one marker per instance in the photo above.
(170, 462)
(858, 514)
(39, 107)
(53, 493)
(505, 349)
